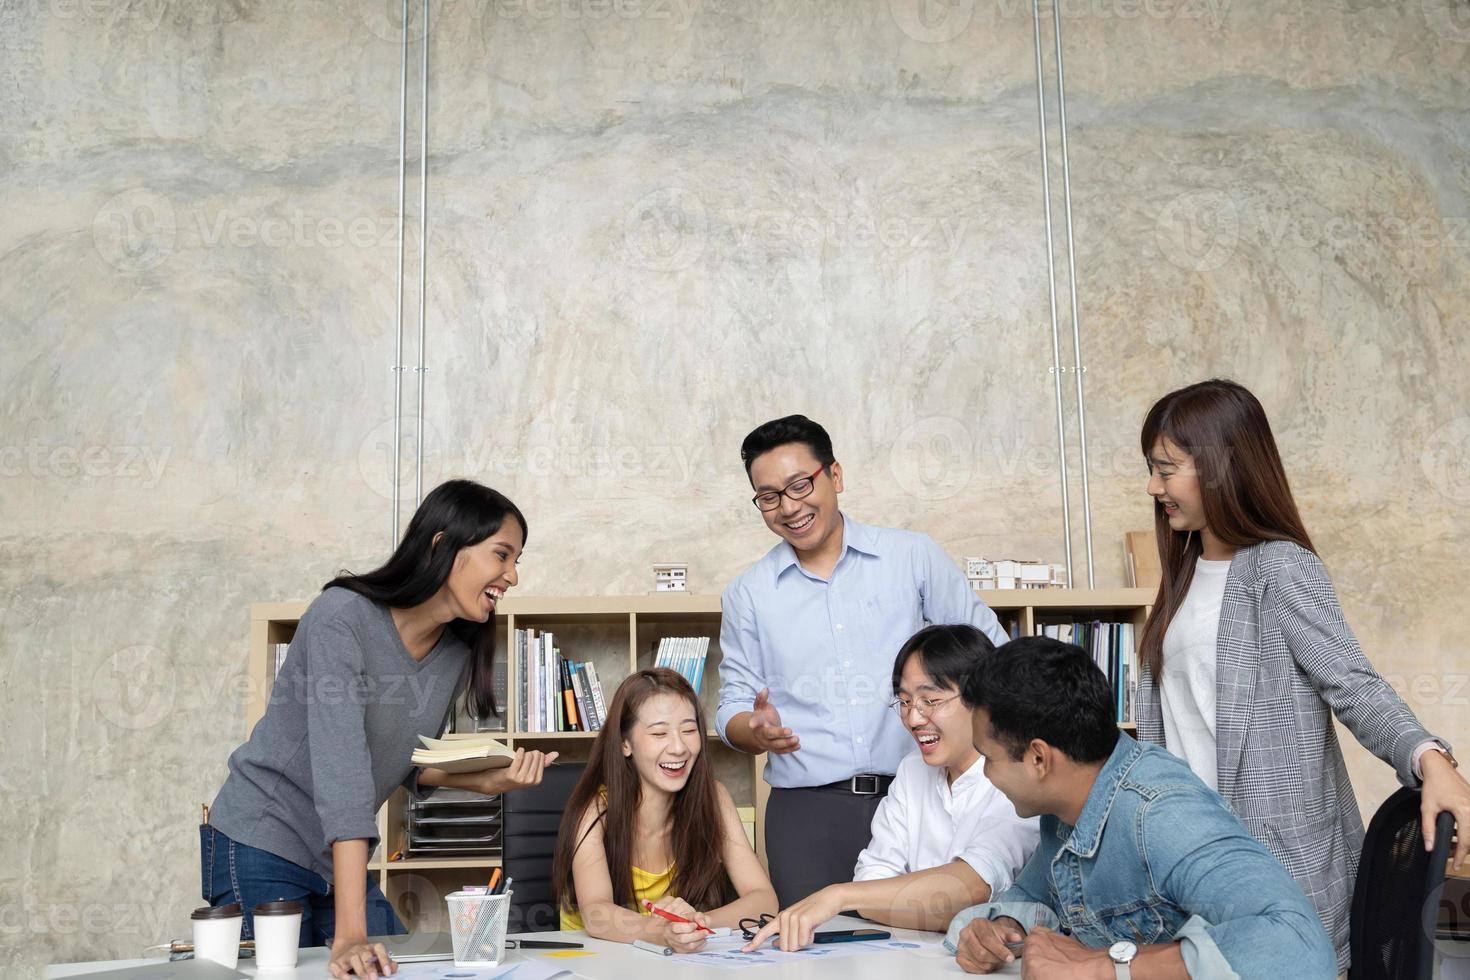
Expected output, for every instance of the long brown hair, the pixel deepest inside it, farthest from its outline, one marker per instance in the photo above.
(696, 839)
(1243, 488)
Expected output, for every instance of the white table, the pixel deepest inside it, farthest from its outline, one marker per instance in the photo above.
(617, 961)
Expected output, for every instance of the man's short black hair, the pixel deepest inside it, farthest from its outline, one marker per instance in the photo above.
(779, 432)
(1037, 687)
(947, 652)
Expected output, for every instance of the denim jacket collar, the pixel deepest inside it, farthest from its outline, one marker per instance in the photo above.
(1087, 834)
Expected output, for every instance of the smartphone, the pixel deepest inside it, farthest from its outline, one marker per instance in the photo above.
(850, 936)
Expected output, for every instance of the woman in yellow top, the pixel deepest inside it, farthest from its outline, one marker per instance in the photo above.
(648, 821)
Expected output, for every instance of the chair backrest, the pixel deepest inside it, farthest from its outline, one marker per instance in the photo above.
(530, 819)
(1393, 916)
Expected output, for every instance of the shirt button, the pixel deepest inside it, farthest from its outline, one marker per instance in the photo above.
(847, 663)
(839, 626)
(853, 701)
(860, 740)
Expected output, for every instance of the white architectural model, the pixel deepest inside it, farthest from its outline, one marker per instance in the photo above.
(670, 578)
(1009, 573)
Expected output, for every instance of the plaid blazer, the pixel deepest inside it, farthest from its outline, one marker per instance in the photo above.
(1286, 661)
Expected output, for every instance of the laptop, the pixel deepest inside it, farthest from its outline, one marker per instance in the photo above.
(418, 947)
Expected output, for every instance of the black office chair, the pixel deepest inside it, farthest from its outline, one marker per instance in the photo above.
(530, 819)
(1394, 912)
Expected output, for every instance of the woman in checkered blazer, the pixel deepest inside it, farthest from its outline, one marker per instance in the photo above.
(1247, 656)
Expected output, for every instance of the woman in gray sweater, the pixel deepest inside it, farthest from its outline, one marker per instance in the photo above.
(1247, 656)
(377, 660)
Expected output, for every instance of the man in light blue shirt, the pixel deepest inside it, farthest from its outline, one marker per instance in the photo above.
(807, 641)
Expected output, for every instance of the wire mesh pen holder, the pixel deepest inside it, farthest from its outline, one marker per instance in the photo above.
(477, 926)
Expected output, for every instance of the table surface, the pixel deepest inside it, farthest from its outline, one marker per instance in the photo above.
(618, 961)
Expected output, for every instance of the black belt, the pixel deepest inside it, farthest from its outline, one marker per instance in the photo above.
(863, 784)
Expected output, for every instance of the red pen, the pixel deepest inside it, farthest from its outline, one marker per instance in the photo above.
(662, 914)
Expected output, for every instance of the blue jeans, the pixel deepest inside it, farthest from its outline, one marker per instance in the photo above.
(233, 872)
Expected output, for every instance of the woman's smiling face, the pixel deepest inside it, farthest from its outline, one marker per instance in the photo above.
(664, 742)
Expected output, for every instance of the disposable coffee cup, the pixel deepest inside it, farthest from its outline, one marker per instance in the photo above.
(277, 934)
(217, 934)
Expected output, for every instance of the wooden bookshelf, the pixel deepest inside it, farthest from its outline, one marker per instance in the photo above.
(620, 634)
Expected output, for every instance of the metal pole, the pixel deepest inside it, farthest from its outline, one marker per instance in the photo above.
(1051, 283)
(398, 347)
(1056, 17)
(418, 479)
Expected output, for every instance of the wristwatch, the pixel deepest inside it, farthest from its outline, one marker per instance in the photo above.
(1122, 953)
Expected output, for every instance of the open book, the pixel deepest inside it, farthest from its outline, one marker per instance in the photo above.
(475, 753)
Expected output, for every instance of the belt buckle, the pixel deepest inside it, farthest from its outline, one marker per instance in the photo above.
(868, 780)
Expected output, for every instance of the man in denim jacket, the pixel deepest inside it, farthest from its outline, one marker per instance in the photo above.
(1141, 867)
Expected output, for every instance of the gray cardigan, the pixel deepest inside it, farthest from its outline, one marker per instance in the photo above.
(1286, 661)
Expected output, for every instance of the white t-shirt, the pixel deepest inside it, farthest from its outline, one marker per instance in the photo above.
(1187, 695)
(924, 822)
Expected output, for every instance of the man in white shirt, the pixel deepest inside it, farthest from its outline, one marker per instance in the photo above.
(944, 834)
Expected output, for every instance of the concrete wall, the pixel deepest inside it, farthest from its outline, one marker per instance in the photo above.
(654, 224)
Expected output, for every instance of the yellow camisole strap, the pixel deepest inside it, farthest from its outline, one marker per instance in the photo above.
(648, 885)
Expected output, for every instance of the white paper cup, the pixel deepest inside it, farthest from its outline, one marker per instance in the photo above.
(217, 934)
(277, 934)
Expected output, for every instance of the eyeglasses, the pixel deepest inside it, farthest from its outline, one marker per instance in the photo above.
(800, 487)
(749, 927)
(928, 707)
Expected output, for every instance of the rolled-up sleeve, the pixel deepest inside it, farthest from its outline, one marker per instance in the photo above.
(947, 595)
(341, 768)
(740, 675)
(1023, 901)
(1002, 843)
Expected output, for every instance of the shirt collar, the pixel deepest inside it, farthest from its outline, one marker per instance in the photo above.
(856, 537)
(967, 779)
(1087, 835)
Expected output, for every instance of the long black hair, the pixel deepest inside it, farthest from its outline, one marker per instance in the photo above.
(466, 513)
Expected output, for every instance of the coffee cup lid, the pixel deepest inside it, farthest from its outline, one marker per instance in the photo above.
(231, 911)
(287, 907)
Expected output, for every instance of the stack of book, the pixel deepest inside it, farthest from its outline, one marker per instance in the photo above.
(557, 694)
(278, 657)
(1112, 647)
(684, 655)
